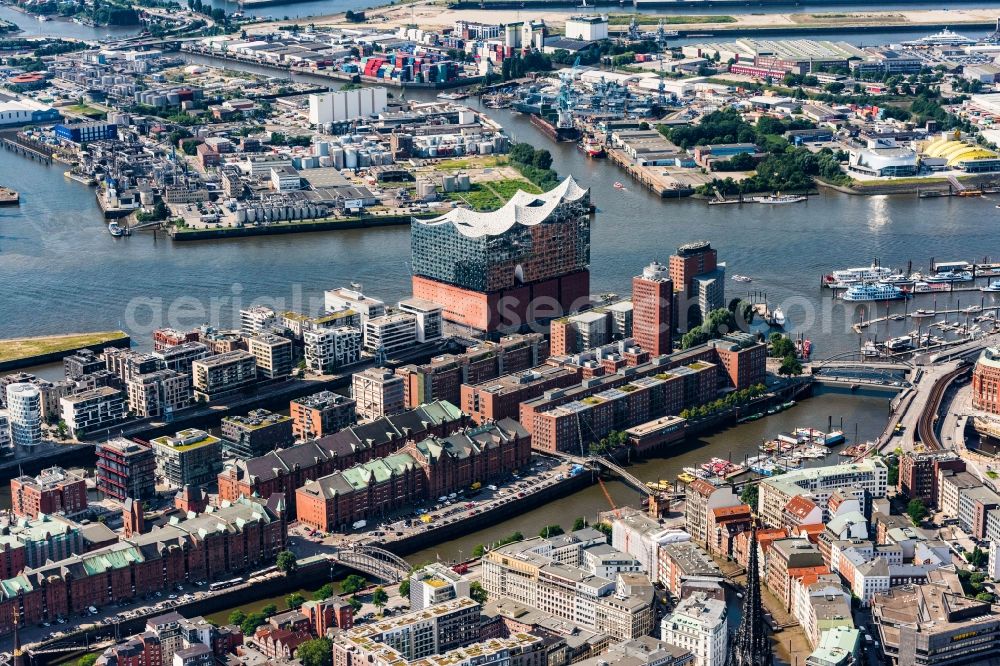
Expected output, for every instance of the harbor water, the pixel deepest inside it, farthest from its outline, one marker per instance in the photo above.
(55, 250)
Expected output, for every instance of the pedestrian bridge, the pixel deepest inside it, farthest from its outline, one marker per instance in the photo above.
(374, 561)
(605, 462)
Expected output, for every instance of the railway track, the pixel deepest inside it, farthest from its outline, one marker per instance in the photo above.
(925, 426)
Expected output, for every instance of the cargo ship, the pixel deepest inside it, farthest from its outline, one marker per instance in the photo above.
(554, 132)
(9, 197)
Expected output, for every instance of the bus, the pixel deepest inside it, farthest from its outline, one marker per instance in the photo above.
(223, 584)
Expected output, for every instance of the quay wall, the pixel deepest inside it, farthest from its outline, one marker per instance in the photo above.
(302, 226)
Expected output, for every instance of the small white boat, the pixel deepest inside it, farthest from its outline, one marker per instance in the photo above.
(115, 230)
(742, 278)
(619, 186)
(777, 317)
(993, 286)
(950, 276)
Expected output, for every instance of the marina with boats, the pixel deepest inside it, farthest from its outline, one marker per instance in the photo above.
(783, 452)
(855, 283)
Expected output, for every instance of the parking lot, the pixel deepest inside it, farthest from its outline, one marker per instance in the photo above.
(445, 510)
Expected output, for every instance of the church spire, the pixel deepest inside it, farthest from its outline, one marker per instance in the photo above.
(751, 646)
(18, 652)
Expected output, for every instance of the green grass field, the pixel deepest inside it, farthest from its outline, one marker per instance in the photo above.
(18, 348)
(492, 194)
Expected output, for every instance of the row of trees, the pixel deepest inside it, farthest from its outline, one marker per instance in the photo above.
(732, 399)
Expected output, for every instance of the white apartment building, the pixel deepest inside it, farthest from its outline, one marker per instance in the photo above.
(353, 299)
(331, 348)
(392, 333)
(819, 483)
(257, 319)
(378, 392)
(699, 625)
(436, 583)
(93, 410)
(24, 412)
(429, 321)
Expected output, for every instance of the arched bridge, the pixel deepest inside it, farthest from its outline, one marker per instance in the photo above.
(374, 561)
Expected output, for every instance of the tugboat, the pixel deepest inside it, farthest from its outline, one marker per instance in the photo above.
(9, 197)
(592, 148)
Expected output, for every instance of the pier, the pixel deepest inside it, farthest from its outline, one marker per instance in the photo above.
(978, 311)
(647, 177)
(32, 151)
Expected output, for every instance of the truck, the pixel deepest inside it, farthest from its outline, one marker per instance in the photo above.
(358, 524)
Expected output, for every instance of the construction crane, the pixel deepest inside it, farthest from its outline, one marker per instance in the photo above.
(604, 489)
(633, 30)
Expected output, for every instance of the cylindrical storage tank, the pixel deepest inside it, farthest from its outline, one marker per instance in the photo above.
(364, 160)
(350, 158)
(463, 182)
(241, 215)
(432, 151)
(448, 183)
(485, 148)
(173, 98)
(326, 161)
(338, 157)
(322, 148)
(425, 190)
(250, 215)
